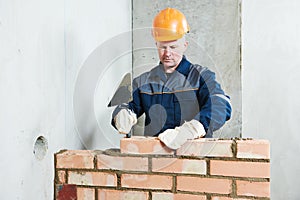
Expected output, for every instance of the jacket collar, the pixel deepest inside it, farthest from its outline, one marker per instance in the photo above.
(183, 68)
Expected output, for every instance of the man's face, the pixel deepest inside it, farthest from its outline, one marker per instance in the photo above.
(170, 53)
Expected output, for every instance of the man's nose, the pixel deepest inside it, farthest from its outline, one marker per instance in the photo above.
(167, 51)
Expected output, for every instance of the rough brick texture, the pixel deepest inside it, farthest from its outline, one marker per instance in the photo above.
(253, 149)
(206, 148)
(175, 165)
(75, 159)
(177, 196)
(85, 193)
(144, 145)
(109, 194)
(240, 169)
(144, 181)
(145, 169)
(66, 192)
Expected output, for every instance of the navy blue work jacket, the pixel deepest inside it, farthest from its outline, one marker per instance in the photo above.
(191, 92)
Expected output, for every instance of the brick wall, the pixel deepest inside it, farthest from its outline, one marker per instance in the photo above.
(143, 168)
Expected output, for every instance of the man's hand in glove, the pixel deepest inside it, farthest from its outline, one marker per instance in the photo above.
(175, 138)
(124, 121)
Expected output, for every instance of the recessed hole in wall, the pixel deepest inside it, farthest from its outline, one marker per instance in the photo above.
(40, 147)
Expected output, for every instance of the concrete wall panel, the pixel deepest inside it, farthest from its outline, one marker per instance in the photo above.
(214, 42)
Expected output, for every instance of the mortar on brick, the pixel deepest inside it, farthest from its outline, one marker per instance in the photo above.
(112, 152)
(234, 148)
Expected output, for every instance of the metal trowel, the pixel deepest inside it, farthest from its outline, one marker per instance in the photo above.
(122, 94)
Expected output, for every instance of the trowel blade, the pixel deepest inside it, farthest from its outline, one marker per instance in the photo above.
(123, 92)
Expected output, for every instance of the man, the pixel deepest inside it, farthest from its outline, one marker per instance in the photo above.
(181, 100)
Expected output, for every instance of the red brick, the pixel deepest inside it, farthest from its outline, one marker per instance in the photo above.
(85, 194)
(240, 169)
(177, 196)
(105, 194)
(66, 192)
(204, 147)
(61, 176)
(122, 163)
(254, 189)
(174, 165)
(144, 145)
(199, 184)
(253, 149)
(146, 181)
(82, 159)
(226, 198)
(92, 178)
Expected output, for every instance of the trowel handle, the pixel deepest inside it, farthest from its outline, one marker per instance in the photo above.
(128, 135)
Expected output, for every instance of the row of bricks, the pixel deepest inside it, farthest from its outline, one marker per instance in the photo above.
(232, 159)
(166, 182)
(80, 159)
(202, 147)
(109, 194)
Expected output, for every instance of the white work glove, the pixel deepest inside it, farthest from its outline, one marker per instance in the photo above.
(175, 138)
(124, 121)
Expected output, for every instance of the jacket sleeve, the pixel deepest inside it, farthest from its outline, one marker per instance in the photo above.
(215, 106)
(134, 105)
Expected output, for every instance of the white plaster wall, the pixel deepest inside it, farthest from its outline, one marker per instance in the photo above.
(42, 47)
(98, 50)
(270, 77)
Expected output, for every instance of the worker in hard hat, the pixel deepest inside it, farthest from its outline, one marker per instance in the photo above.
(181, 100)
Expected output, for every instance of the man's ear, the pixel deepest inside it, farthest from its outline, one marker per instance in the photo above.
(186, 44)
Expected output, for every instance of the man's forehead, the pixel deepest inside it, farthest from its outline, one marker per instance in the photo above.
(170, 43)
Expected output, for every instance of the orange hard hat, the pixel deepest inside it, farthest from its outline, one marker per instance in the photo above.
(169, 24)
